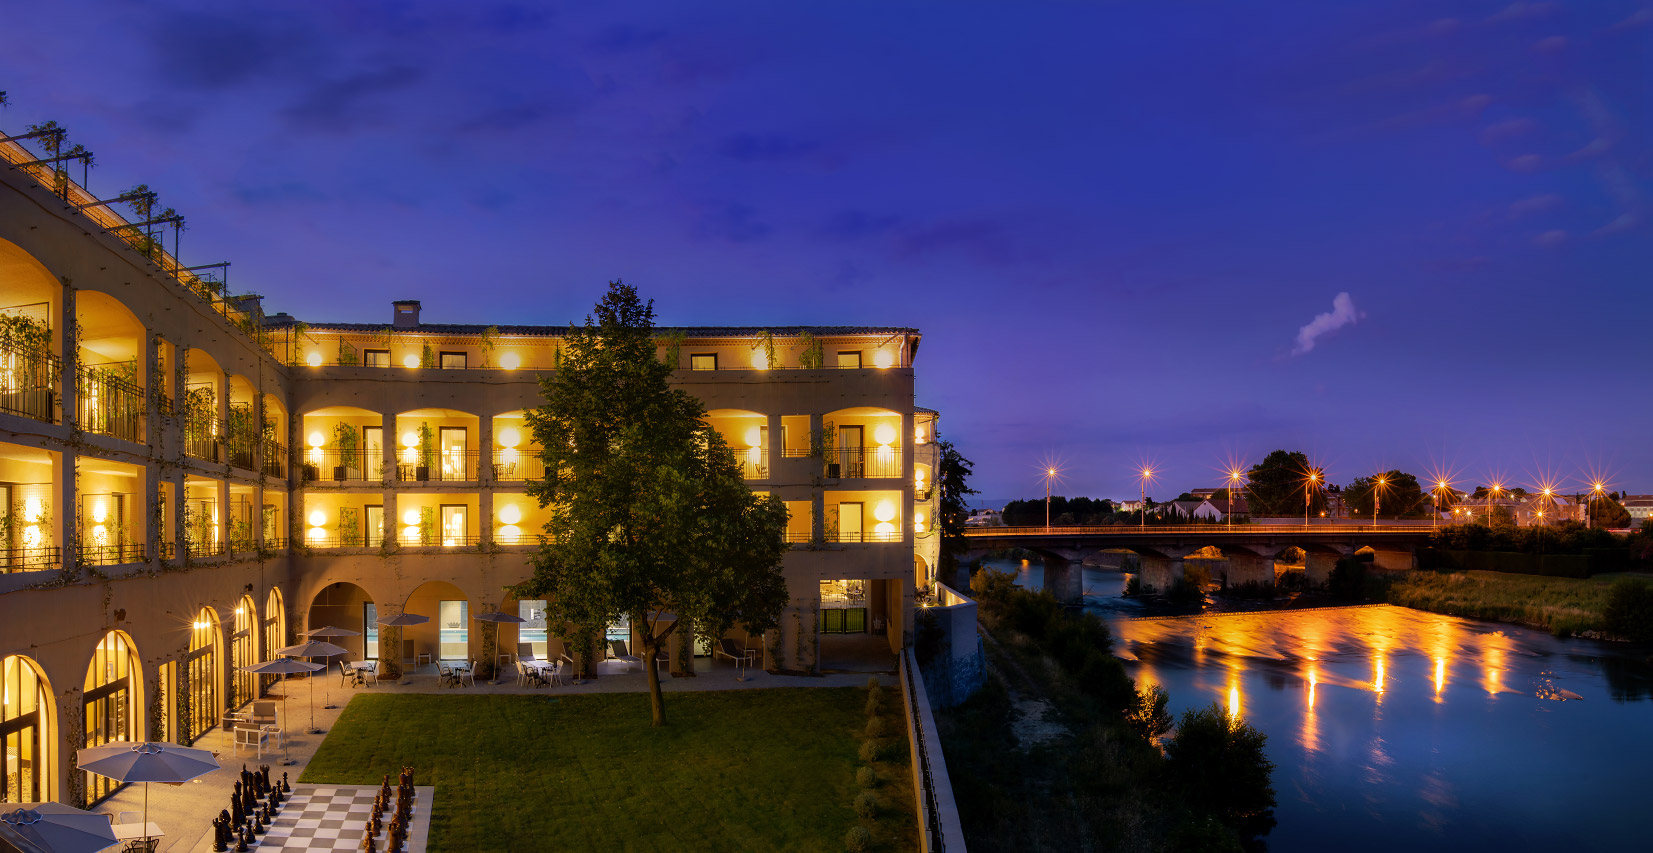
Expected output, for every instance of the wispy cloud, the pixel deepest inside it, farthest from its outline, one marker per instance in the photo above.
(1343, 313)
(1534, 204)
(1551, 239)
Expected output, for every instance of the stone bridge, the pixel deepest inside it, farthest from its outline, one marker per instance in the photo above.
(1248, 549)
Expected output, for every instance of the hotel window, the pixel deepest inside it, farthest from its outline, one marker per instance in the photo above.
(849, 358)
(533, 631)
(376, 357)
(703, 361)
(453, 361)
(375, 525)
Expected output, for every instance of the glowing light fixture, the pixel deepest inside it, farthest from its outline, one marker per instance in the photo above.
(316, 534)
(32, 509)
(509, 437)
(317, 439)
(885, 511)
(509, 514)
(509, 534)
(920, 434)
(411, 518)
(99, 512)
(313, 359)
(760, 358)
(510, 361)
(317, 518)
(883, 359)
(410, 360)
(410, 439)
(884, 434)
(754, 436)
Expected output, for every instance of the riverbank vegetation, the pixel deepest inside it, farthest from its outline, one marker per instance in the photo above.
(1059, 750)
(1562, 606)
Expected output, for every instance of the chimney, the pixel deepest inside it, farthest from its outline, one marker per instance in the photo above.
(407, 314)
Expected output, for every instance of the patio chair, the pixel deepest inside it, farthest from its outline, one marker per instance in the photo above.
(726, 648)
(367, 676)
(617, 651)
(551, 673)
(264, 713)
(525, 674)
(252, 737)
(347, 674)
(663, 658)
(468, 675)
(445, 676)
(525, 651)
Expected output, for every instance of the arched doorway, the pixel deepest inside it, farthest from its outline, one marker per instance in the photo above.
(199, 706)
(275, 630)
(243, 652)
(25, 731)
(111, 703)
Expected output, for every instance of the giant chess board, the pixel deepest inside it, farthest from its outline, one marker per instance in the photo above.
(334, 817)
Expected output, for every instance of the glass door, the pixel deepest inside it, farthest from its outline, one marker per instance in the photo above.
(453, 634)
(849, 451)
(375, 525)
(453, 441)
(454, 526)
(373, 452)
(849, 522)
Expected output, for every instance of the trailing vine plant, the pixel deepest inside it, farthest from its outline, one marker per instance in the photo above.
(811, 355)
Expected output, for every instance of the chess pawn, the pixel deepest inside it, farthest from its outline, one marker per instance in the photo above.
(241, 841)
(285, 788)
(258, 823)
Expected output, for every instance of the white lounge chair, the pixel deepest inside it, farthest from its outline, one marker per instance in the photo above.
(617, 651)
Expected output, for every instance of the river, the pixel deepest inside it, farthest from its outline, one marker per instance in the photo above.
(1393, 728)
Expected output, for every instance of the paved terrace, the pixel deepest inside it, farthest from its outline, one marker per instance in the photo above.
(185, 812)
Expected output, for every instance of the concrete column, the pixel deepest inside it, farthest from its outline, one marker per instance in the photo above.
(152, 399)
(485, 452)
(1063, 579)
(485, 515)
(1159, 574)
(152, 522)
(1317, 566)
(392, 448)
(773, 447)
(63, 510)
(1249, 568)
(69, 344)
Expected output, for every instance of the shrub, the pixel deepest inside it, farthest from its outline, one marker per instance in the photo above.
(1348, 578)
(875, 704)
(1133, 586)
(866, 805)
(858, 840)
(1218, 765)
(866, 777)
(876, 727)
(1630, 610)
(871, 751)
(872, 684)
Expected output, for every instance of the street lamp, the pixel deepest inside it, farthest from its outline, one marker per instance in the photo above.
(1492, 493)
(1308, 484)
(1142, 497)
(1596, 490)
(1050, 474)
(1233, 478)
(1440, 488)
(1377, 497)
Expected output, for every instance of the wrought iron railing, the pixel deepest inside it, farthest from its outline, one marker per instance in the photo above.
(797, 536)
(448, 466)
(239, 446)
(867, 536)
(109, 404)
(203, 439)
(30, 559)
(29, 383)
(328, 464)
(753, 462)
(859, 462)
(512, 464)
(275, 459)
(205, 549)
(111, 555)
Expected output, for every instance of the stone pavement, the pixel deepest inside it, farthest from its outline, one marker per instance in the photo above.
(185, 812)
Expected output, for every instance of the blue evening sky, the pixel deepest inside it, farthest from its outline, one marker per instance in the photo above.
(1115, 223)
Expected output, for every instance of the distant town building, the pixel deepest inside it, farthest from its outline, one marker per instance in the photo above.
(985, 518)
(1128, 506)
(1640, 507)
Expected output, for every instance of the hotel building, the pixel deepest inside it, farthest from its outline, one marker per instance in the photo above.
(187, 485)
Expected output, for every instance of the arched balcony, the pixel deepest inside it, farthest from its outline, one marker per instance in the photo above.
(436, 445)
(747, 434)
(201, 407)
(343, 444)
(109, 380)
(862, 442)
(31, 301)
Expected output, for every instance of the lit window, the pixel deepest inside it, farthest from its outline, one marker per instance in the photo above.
(376, 357)
(453, 361)
(849, 358)
(703, 361)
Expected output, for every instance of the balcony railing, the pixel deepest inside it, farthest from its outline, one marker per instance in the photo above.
(111, 555)
(275, 459)
(866, 536)
(29, 559)
(753, 462)
(328, 464)
(205, 549)
(448, 466)
(110, 404)
(29, 384)
(240, 450)
(859, 462)
(512, 464)
(203, 439)
(797, 536)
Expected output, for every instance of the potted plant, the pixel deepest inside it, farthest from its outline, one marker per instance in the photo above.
(427, 453)
(348, 443)
(823, 445)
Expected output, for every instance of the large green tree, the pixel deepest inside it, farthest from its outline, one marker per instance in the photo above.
(1396, 494)
(1276, 484)
(953, 481)
(1607, 512)
(650, 518)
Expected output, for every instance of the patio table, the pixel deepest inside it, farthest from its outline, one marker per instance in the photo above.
(135, 831)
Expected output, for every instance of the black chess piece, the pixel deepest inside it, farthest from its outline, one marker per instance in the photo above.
(257, 820)
(241, 841)
(264, 777)
(285, 788)
(238, 815)
(221, 832)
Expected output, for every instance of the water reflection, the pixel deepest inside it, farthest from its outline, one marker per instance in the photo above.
(1382, 737)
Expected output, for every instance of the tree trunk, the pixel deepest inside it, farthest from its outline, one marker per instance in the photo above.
(657, 706)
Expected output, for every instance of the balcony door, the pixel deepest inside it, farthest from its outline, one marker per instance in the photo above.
(849, 522)
(453, 453)
(375, 525)
(849, 451)
(373, 452)
(455, 524)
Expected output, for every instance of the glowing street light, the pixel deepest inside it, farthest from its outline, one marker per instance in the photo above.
(1492, 493)
(1142, 496)
(1050, 474)
(1311, 482)
(1379, 485)
(1441, 487)
(1597, 489)
(1234, 476)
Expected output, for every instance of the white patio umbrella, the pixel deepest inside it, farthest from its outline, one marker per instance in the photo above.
(127, 761)
(287, 666)
(495, 617)
(54, 828)
(331, 631)
(402, 620)
(313, 649)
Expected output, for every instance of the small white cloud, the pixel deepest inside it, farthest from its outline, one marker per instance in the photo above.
(1343, 313)
(1551, 239)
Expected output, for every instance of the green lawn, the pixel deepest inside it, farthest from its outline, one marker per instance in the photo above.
(754, 770)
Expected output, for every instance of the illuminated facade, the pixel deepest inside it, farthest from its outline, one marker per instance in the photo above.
(187, 484)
